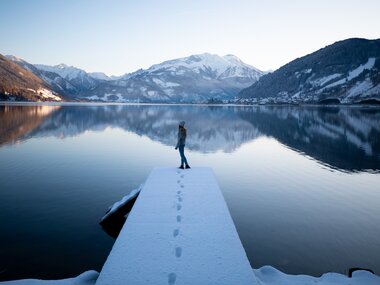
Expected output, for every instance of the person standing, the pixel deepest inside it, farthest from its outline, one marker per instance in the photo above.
(182, 134)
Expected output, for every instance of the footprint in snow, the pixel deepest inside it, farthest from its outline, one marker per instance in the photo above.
(178, 251)
(171, 278)
(179, 218)
(179, 207)
(175, 232)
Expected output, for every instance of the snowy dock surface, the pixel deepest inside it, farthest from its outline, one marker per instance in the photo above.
(179, 232)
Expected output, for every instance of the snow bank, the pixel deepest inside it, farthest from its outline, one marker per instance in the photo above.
(86, 278)
(268, 275)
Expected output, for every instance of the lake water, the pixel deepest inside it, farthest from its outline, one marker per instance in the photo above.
(302, 183)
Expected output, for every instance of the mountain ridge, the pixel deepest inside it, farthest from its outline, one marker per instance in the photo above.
(192, 79)
(346, 71)
(19, 83)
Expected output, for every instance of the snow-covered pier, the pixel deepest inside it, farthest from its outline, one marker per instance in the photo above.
(179, 232)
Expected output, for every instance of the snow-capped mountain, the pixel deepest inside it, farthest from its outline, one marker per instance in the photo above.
(210, 65)
(21, 84)
(344, 72)
(197, 78)
(77, 77)
(100, 76)
(56, 82)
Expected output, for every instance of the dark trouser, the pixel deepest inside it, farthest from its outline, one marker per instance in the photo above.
(181, 149)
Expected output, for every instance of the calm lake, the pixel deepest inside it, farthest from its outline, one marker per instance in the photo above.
(302, 183)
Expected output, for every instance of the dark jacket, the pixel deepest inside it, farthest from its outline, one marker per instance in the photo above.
(182, 133)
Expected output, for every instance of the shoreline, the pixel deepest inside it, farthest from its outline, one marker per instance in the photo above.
(265, 275)
(75, 103)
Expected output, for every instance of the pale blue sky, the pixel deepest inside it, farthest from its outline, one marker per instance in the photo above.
(119, 36)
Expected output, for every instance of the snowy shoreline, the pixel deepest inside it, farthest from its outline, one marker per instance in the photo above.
(266, 275)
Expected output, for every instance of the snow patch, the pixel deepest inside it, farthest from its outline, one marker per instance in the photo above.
(359, 88)
(86, 278)
(107, 97)
(14, 58)
(169, 92)
(95, 97)
(99, 75)
(296, 95)
(321, 81)
(45, 93)
(354, 73)
(180, 72)
(119, 204)
(165, 84)
(373, 91)
(268, 275)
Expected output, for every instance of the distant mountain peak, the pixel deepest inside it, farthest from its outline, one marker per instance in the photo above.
(210, 62)
(62, 65)
(65, 71)
(100, 76)
(14, 58)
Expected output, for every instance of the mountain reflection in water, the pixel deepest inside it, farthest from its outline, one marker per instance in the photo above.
(344, 138)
